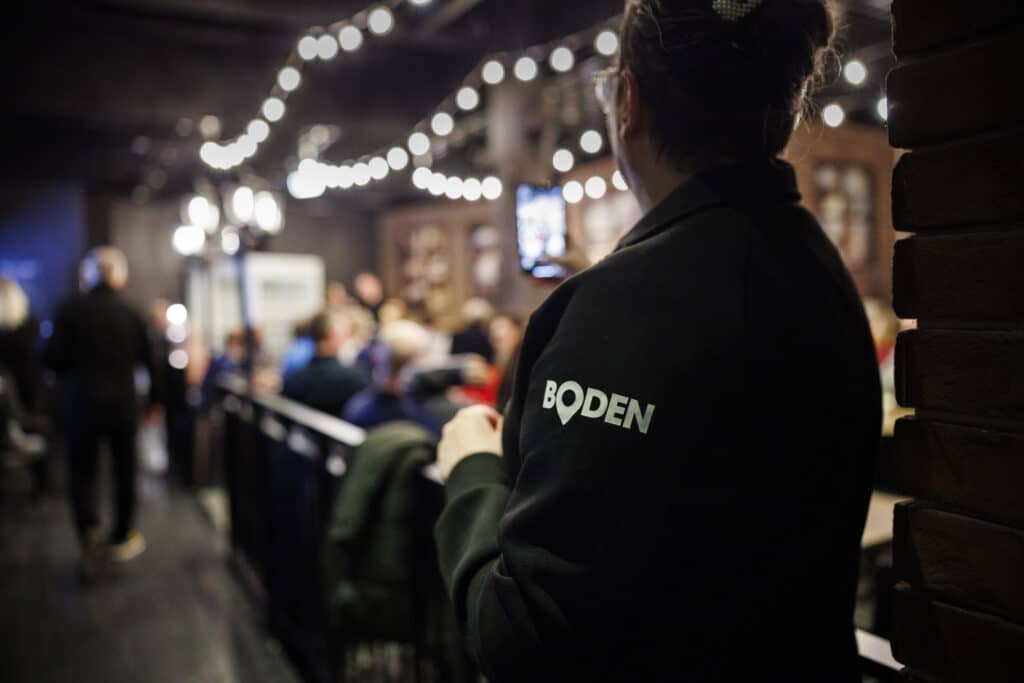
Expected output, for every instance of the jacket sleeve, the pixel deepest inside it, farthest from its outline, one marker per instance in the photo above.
(532, 564)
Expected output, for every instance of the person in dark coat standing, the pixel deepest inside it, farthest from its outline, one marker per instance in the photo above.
(326, 383)
(98, 343)
(679, 486)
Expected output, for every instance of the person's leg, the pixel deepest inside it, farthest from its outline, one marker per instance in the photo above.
(122, 450)
(83, 456)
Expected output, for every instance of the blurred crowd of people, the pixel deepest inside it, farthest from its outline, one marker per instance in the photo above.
(372, 360)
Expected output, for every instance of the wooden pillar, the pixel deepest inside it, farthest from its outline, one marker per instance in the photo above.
(959, 548)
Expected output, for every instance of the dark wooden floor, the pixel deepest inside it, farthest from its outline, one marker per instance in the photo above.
(176, 614)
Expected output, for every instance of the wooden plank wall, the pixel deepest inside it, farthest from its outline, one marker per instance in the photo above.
(959, 548)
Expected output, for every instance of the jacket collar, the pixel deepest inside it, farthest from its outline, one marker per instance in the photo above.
(768, 181)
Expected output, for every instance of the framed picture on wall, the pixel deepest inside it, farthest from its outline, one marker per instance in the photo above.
(844, 202)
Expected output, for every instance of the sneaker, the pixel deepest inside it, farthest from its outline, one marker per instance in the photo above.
(131, 547)
(94, 556)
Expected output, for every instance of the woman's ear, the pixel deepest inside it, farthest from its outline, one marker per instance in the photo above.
(630, 108)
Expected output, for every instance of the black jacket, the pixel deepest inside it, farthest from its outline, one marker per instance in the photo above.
(325, 385)
(98, 342)
(688, 458)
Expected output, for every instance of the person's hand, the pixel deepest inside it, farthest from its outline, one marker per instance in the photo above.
(473, 430)
(474, 371)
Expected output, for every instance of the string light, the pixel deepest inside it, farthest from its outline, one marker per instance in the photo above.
(420, 3)
(176, 314)
(379, 168)
(493, 72)
(834, 115)
(606, 43)
(421, 178)
(258, 130)
(591, 142)
(188, 240)
(361, 174)
(326, 48)
(883, 108)
(267, 211)
(243, 204)
(443, 124)
(381, 21)
(562, 59)
(525, 69)
(398, 158)
(855, 72)
(230, 242)
(563, 161)
(350, 38)
(419, 144)
(308, 49)
(596, 187)
(492, 188)
(438, 184)
(573, 192)
(289, 78)
(273, 109)
(453, 188)
(467, 98)
(619, 182)
(472, 189)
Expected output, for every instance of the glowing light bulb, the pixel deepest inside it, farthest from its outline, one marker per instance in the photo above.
(243, 204)
(562, 59)
(472, 189)
(188, 240)
(230, 242)
(398, 158)
(883, 108)
(563, 161)
(573, 192)
(308, 48)
(619, 181)
(467, 98)
(258, 130)
(606, 43)
(492, 188)
(350, 38)
(493, 72)
(442, 124)
(422, 177)
(525, 69)
(419, 144)
(326, 48)
(289, 78)
(381, 21)
(361, 174)
(273, 109)
(591, 142)
(176, 314)
(453, 188)
(268, 212)
(855, 72)
(596, 187)
(438, 184)
(834, 115)
(379, 168)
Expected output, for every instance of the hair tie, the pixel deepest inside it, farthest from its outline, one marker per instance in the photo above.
(734, 10)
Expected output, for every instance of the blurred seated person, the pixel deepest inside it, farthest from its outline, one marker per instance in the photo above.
(369, 292)
(230, 361)
(326, 384)
(299, 352)
(393, 398)
(474, 338)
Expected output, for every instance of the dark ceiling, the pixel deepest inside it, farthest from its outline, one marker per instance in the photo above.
(99, 88)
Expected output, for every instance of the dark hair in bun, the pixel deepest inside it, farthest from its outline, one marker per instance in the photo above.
(728, 82)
